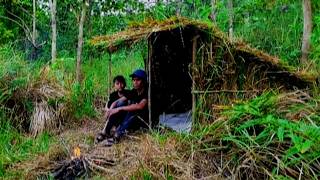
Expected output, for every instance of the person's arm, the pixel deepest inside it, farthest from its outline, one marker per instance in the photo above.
(133, 107)
(110, 110)
(111, 99)
(123, 98)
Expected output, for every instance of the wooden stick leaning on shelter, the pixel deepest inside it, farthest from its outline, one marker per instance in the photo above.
(149, 83)
(194, 56)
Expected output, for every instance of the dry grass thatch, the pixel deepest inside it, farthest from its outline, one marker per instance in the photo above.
(46, 116)
(139, 31)
(142, 31)
(37, 106)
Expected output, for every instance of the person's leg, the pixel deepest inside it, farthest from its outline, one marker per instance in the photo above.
(114, 120)
(126, 123)
(130, 121)
(138, 124)
(121, 103)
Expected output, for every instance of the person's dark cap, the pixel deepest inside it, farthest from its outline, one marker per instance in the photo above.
(139, 73)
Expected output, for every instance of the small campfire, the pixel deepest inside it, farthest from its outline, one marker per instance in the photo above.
(80, 165)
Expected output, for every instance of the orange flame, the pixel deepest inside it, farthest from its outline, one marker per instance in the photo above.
(76, 152)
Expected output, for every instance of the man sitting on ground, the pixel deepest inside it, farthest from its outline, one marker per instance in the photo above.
(132, 116)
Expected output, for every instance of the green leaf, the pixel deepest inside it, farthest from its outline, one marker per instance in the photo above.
(306, 146)
(280, 133)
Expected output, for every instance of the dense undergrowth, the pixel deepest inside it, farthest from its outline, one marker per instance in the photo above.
(275, 135)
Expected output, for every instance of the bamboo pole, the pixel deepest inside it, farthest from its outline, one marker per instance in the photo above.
(149, 79)
(194, 56)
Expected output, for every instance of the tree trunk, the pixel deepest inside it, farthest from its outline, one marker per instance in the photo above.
(89, 24)
(80, 41)
(89, 17)
(213, 15)
(53, 5)
(178, 8)
(307, 29)
(230, 12)
(34, 33)
(34, 23)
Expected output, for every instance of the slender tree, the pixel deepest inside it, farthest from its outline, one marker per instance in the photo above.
(34, 22)
(213, 15)
(230, 12)
(53, 7)
(307, 29)
(34, 33)
(80, 39)
(178, 8)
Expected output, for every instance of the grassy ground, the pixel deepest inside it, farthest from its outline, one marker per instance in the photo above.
(16, 147)
(272, 136)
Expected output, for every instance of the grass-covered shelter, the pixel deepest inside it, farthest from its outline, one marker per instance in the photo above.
(192, 64)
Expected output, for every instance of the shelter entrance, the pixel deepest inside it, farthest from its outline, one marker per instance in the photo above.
(170, 55)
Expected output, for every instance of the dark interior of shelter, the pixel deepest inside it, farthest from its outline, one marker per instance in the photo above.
(171, 82)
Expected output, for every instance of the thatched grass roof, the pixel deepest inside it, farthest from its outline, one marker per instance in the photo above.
(139, 31)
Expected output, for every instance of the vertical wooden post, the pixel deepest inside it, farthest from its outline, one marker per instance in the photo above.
(194, 56)
(109, 73)
(149, 62)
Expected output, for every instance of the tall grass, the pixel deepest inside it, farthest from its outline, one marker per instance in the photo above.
(271, 136)
(16, 147)
(15, 76)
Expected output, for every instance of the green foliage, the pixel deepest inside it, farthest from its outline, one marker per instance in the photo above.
(82, 99)
(304, 137)
(13, 73)
(263, 136)
(275, 27)
(6, 34)
(315, 53)
(258, 126)
(143, 174)
(15, 147)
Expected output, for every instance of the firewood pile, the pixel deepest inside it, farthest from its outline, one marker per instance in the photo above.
(81, 165)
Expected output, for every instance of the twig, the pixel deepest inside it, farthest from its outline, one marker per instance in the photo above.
(93, 165)
(65, 146)
(105, 162)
